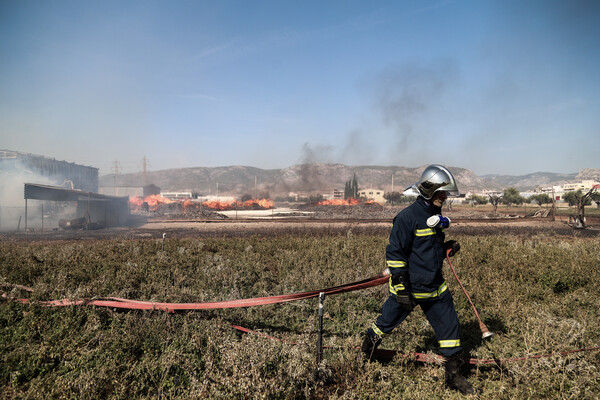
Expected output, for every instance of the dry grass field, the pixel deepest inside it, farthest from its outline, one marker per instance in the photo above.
(536, 288)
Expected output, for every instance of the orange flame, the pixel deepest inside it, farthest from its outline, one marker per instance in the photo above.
(153, 201)
(189, 204)
(263, 204)
(219, 205)
(339, 202)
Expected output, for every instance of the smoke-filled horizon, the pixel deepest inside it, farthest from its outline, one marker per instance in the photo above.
(497, 87)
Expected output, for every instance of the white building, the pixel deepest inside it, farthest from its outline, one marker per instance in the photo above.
(372, 194)
(583, 185)
(176, 195)
(558, 191)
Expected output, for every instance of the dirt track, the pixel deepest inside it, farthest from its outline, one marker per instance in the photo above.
(155, 228)
(516, 226)
(308, 220)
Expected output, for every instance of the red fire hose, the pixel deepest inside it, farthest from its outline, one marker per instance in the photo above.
(117, 302)
(485, 333)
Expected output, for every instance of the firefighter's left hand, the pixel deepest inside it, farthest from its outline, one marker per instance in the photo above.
(454, 247)
(406, 300)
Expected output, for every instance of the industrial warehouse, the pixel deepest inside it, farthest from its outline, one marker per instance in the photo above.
(38, 192)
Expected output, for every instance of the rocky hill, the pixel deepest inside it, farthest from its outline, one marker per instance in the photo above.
(323, 178)
(529, 181)
(588, 173)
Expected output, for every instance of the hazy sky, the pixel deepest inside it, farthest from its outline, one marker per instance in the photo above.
(507, 87)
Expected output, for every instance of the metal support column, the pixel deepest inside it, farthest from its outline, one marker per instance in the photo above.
(320, 338)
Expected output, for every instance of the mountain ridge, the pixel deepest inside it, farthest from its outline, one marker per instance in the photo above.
(313, 178)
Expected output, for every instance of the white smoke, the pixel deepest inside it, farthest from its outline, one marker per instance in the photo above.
(13, 176)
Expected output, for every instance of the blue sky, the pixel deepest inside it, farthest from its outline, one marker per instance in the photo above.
(504, 87)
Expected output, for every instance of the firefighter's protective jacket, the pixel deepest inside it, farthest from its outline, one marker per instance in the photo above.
(417, 248)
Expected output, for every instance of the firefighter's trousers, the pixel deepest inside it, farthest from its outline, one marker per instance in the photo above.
(440, 313)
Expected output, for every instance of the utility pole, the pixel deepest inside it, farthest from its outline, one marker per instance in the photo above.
(116, 168)
(145, 164)
(392, 194)
(553, 205)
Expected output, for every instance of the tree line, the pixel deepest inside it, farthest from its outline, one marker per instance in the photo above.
(511, 196)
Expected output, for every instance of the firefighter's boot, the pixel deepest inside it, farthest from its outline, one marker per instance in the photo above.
(369, 345)
(454, 378)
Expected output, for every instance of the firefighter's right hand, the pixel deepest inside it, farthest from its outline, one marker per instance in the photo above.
(452, 247)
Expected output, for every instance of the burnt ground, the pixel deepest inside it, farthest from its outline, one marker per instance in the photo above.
(308, 220)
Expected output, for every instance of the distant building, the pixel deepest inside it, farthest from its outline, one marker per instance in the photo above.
(372, 194)
(294, 196)
(526, 195)
(176, 195)
(583, 186)
(151, 189)
(131, 191)
(557, 192)
(338, 194)
(31, 168)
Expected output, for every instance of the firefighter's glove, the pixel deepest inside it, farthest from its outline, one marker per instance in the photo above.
(453, 246)
(404, 298)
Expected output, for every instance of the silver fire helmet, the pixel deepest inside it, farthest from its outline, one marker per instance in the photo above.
(434, 179)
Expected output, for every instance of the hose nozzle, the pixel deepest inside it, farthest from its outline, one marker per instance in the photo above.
(485, 332)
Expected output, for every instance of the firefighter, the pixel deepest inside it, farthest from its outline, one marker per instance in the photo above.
(414, 258)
